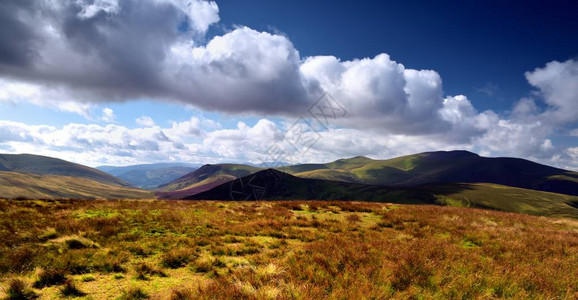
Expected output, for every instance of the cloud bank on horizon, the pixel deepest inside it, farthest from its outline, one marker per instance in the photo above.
(76, 56)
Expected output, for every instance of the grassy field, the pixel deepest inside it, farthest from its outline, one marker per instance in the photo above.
(281, 250)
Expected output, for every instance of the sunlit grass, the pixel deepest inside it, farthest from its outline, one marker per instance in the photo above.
(281, 250)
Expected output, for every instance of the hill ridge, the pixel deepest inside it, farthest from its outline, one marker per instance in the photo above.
(45, 165)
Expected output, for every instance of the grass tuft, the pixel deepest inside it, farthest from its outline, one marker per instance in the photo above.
(143, 270)
(134, 293)
(177, 258)
(183, 293)
(71, 290)
(50, 278)
(19, 290)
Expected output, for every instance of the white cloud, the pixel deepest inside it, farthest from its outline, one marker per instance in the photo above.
(108, 115)
(94, 144)
(558, 85)
(202, 13)
(145, 121)
(21, 92)
(91, 8)
(141, 50)
(241, 71)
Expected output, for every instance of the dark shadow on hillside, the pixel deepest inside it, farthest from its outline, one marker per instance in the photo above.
(272, 184)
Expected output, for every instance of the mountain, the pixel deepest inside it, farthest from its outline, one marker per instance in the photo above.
(443, 167)
(407, 171)
(116, 171)
(202, 179)
(271, 184)
(14, 185)
(43, 165)
(150, 176)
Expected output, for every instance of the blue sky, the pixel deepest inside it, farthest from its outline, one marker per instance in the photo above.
(500, 40)
(116, 82)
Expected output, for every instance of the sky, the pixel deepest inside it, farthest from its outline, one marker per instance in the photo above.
(121, 82)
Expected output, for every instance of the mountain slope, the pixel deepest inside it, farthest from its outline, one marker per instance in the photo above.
(150, 176)
(271, 184)
(505, 198)
(14, 185)
(275, 185)
(206, 177)
(116, 171)
(444, 167)
(36, 164)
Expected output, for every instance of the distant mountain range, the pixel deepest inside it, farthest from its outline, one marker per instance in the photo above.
(272, 184)
(443, 167)
(150, 176)
(456, 178)
(407, 171)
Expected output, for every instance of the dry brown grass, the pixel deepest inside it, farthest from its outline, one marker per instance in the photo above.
(283, 250)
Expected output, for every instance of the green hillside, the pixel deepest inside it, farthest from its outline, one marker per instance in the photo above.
(271, 184)
(208, 174)
(36, 164)
(443, 167)
(505, 198)
(275, 185)
(15, 185)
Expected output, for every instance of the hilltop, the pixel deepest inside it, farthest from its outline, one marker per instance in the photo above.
(203, 179)
(443, 167)
(43, 165)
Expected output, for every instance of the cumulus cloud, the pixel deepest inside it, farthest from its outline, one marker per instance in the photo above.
(77, 55)
(198, 141)
(94, 144)
(527, 129)
(381, 93)
(243, 71)
(21, 92)
(139, 50)
(108, 115)
(96, 51)
(145, 121)
(557, 83)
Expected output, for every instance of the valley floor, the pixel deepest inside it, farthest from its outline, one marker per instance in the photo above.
(281, 250)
